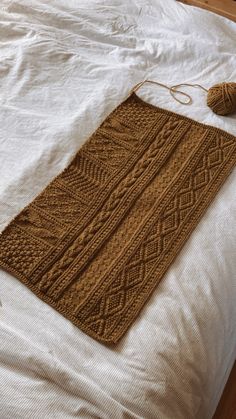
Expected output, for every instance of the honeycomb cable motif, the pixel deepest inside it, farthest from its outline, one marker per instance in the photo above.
(141, 160)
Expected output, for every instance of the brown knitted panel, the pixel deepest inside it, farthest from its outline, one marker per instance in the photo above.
(96, 242)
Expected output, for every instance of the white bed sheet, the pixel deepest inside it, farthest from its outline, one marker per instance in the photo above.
(64, 66)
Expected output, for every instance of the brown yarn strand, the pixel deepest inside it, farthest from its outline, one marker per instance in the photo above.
(221, 98)
(172, 89)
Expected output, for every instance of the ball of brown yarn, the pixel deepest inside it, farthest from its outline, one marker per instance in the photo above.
(221, 98)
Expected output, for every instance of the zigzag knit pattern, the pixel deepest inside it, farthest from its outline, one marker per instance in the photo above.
(97, 241)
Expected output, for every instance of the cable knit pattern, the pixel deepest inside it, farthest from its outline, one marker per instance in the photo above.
(96, 242)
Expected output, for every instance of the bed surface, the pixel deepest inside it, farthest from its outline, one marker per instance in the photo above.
(63, 69)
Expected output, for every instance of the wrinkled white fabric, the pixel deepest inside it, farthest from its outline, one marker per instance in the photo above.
(64, 66)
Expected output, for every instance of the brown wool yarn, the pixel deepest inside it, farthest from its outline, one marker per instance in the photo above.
(221, 98)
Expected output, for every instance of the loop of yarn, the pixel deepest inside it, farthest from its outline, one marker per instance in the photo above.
(221, 98)
(174, 90)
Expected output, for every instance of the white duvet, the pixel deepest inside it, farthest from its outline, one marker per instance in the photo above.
(64, 66)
